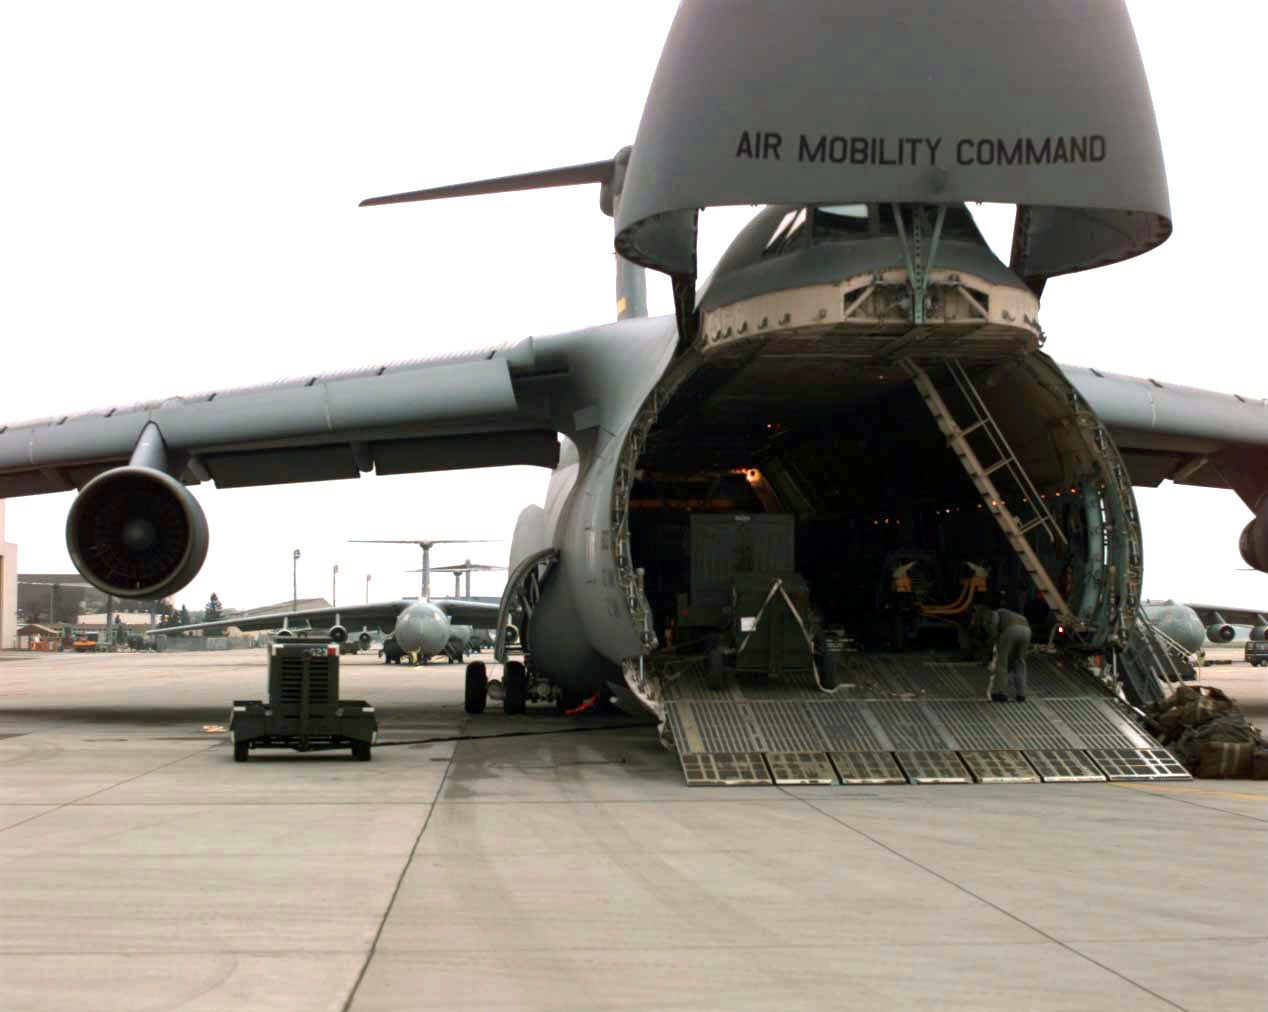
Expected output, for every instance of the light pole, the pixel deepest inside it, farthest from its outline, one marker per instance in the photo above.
(295, 581)
(334, 578)
(367, 588)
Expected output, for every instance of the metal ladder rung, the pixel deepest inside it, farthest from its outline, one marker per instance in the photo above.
(997, 465)
(973, 428)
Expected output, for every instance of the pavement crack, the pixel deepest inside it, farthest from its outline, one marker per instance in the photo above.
(1196, 804)
(102, 790)
(387, 912)
(982, 899)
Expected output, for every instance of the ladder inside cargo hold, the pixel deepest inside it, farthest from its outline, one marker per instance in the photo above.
(1015, 529)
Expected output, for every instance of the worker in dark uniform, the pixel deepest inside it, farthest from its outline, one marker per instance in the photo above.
(1010, 633)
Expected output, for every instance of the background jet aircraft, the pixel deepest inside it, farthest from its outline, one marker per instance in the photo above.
(1178, 621)
(846, 332)
(1224, 624)
(415, 628)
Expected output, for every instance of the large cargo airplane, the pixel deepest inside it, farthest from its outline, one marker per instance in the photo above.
(859, 360)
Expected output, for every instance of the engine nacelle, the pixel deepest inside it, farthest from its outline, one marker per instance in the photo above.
(338, 634)
(1259, 633)
(1221, 633)
(136, 532)
(1254, 541)
(283, 634)
(512, 635)
(365, 640)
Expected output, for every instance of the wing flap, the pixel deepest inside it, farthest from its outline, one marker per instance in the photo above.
(538, 447)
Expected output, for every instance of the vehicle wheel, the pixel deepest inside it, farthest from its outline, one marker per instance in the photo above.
(477, 687)
(714, 666)
(240, 751)
(827, 663)
(514, 687)
(361, 751)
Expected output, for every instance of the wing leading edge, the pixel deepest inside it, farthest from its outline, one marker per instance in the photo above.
(1183, 434)
(432, 414)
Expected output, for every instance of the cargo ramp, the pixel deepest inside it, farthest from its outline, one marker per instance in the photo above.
(904, 718)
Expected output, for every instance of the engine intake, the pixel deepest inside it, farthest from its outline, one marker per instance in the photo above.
(1221, 633)
(1254, 540)
(137, 532)
(338, 634)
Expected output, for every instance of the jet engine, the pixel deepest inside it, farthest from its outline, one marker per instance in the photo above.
(1221, 633)
(512, 634)
(1259, 633)
(136, 532)
(338, 634)
(365, 640)
(283, 634)
(1254, 540)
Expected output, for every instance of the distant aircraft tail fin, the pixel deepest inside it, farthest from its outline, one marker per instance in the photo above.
(631, 280)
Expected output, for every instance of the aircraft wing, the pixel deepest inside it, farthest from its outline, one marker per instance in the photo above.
(1169, 432)
(464, 611)
(427, 414)
(1237, 616)
(381, 615)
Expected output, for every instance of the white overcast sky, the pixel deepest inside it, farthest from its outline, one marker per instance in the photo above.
(178, 195)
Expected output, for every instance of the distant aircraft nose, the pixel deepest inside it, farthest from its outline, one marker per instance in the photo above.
(422, 629)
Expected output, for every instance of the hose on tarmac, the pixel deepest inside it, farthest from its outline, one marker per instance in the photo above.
(513, 734)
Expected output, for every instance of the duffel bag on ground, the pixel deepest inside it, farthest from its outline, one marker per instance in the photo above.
(1225, 759)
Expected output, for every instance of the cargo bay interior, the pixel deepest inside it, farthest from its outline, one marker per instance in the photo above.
(882, 525)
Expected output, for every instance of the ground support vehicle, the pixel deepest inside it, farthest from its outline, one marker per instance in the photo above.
(1256, 652)
(304, 711)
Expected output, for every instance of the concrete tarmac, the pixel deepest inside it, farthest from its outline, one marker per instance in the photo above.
(141, 868)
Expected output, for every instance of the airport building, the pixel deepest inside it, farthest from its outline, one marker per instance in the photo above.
(53, 598)
(8, 589)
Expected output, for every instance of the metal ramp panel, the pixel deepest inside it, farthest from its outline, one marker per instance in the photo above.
(1064, 766)
(867, 768)
(1138, 764)
(1093, 723)
(927, 766)
(724, 769)
(800, 768)
(999, 766)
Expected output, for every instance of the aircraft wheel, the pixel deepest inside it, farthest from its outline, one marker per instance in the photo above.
(514, 687)
(477, 687)
(241, 750)
(361, 751)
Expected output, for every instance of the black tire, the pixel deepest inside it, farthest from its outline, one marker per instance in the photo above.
(827, 662)
(714, 666)
(514, 688)
(241, 750)
(477, 695)
(361, 751)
